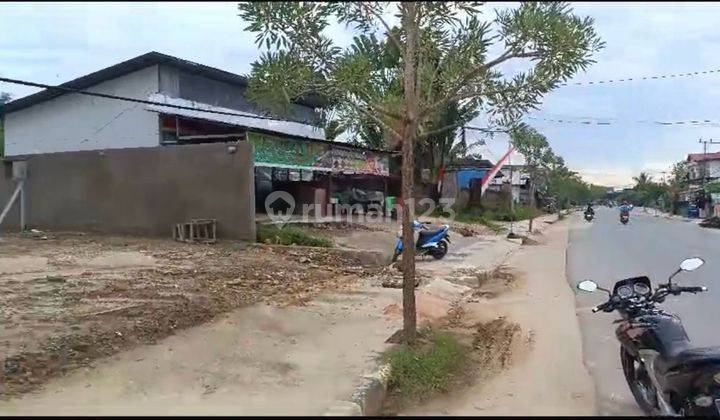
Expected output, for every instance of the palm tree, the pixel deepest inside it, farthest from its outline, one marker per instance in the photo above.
(642, 180)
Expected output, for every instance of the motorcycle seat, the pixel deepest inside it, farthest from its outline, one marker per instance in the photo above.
(426, 234)
(695, 356)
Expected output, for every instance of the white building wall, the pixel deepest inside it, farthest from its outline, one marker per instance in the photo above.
(73, 122)
(712, 168)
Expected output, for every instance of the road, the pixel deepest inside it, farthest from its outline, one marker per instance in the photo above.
(606, 251)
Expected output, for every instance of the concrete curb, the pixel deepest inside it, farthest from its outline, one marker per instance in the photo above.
(368, 398)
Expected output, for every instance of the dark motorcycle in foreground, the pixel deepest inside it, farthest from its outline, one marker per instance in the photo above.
(665, 373)
(589, 216)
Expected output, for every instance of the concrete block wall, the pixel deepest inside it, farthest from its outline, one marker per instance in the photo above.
(141, 191)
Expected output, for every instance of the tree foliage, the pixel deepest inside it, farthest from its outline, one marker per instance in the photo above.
(452, 63)
(401, 77)
(666, 194)
(547, 170)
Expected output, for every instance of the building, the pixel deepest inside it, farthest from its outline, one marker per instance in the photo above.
(461, 181)
(518, 179)
(703, 164)
(53, 121)
(181, 104)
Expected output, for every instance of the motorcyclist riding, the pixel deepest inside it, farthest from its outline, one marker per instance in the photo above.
(590, 209)
(625, 208)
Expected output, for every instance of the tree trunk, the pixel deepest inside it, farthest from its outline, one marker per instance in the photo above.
(410, 125)
(531, 188)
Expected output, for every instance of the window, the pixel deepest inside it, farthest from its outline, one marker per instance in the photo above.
(181, 130)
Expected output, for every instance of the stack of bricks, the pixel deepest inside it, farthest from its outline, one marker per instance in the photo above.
(196, 231)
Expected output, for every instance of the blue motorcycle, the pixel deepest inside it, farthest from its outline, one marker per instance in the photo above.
(433, 242)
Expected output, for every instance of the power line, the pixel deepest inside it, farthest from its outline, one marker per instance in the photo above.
(599, 121)
(136, 100)
(631, 79)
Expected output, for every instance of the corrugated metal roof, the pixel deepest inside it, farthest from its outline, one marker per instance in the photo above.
(134, 64)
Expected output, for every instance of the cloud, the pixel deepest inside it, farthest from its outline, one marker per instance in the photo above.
(56, 42)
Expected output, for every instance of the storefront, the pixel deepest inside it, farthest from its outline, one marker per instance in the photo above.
(316, 172)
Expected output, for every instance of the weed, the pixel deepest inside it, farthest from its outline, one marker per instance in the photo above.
(289, 235)
(431, 366)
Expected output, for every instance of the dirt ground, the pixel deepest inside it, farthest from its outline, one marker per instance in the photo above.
(70, 298)
(529, 332)
(256, 360)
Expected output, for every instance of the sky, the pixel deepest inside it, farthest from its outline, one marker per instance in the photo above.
(53, 43)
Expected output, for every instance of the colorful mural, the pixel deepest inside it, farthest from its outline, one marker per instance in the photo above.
(307, 154)
(284, 151)
(345, 159)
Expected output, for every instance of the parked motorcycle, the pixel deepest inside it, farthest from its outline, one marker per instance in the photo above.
(433, 242)
(666, 375)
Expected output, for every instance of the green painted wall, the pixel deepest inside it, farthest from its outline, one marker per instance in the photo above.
(283, 151)
(307, 154)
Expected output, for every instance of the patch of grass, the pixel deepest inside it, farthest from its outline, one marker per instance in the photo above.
(481, 219)
(519, 213)
(488, 217)
(289, 235)
(431, 366)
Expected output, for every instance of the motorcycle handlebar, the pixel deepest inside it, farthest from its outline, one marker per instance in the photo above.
(693, 289)
(602, 306)
(658, 297)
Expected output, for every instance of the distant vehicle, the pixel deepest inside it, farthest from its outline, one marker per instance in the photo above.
(588, 216)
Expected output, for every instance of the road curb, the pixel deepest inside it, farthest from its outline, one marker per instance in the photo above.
(368, 398)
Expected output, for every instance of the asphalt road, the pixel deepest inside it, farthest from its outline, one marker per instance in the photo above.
(606, 251)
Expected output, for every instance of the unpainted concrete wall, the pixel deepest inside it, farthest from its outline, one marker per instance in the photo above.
(142, 191)
(73, 122)
(7, 187)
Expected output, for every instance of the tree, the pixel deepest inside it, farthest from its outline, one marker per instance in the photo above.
(5, 97)
(648, 192)
(678, 182)
(567, 187)
(538, 156)
(642, 180)
(301, 59)
(536, 150)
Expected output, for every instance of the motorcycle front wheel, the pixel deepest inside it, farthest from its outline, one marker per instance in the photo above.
(639, 382)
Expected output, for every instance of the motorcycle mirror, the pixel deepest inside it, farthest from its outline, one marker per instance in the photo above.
(587, 286)
(691, 264)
